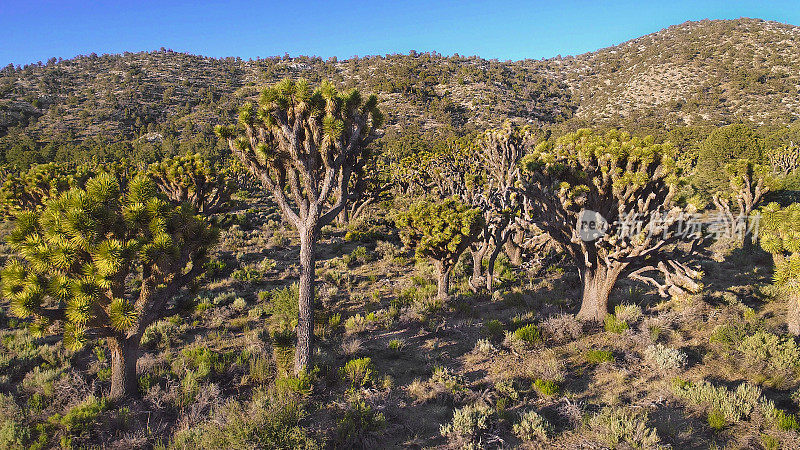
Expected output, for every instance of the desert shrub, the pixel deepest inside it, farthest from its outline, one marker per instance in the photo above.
(204, 362)
(770, 356)
(615, 426)
(599, 356)
(396, 345)
(363, 230)
(359, 323)
(529, 334)
(283, 309)
(239, 304)
(358, 424)
(443, 384)
(484, 347)
(546, 388)
(358, 372)
(249, 274)
(532, 427)
(562, 328)
(13, 435)
(628, 313)
(733, 405)
(358, 256)
(386, 250)
(546, 365)
(162, 333)
(270, 420)
(468, 425)
(81, 417)
(664, 358)
(494, 328)
(614, 325)
(716, 420)
(41, 380)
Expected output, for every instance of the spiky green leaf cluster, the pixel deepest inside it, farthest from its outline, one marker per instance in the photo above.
(330, 119)
(32, 188)
(440, 230)
(612, 162)
(194, 179)
(74, 256)
(779, 233)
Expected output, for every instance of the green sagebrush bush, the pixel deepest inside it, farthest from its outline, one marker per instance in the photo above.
(532, 427)
(615, 426)
(468, 425)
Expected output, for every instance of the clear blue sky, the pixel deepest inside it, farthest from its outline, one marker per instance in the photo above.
(34, 30)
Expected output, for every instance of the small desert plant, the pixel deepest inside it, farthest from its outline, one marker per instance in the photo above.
(615, 426)
(733, 405)
(359, 422)
(484, 347)
(358, 372)
(664, 358)
(614, 325)
(396, 345)
(532, 427)
(562, 328)
(546, 388)
(468, 424)
(529, 334)
(494, 328)
(599, 356)
(770, 356)
(628, 313)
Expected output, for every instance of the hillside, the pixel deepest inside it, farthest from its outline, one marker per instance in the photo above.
(707, 72)
(718, 71)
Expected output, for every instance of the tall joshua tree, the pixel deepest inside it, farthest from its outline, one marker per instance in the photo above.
(500, 152)
(630, 184)
(303, 145)
(75, 258)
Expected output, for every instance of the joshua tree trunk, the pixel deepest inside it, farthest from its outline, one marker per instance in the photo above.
(490, 268)
(477, 252)
(597, 285)
(124, 354)
(305, 320)
(793, 314)
(514, 247)
(444, 281)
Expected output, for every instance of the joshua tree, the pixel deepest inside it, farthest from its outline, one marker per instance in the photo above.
(608, 201)
(748, 185)
(441, 230)
(780, 236)
(77, 256)
(303, 146)
(784, 160)
(193, 179)
(500, 152)
(31, 188)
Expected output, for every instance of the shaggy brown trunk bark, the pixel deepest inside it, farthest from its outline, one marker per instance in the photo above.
(513, 248)
(477, 265)
(305, 320)
(597, 285)
(793, 314)
(124, 354)
(444, 281)
(490, 268)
